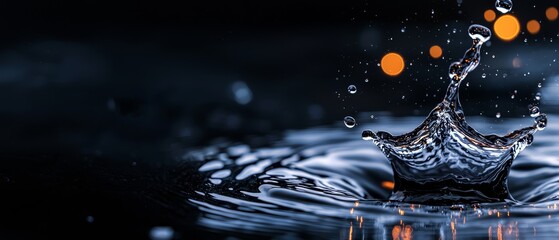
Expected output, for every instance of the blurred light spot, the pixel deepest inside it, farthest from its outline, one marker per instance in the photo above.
(388, 185)
(516, 62)
(392, 64)
(489, 15)
(435, 51)
(242, 93)
(161, 233)
(90, 219)
(533, 26)
(507, 27)
(551, 13)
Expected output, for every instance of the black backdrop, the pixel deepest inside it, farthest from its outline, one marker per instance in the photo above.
(98, 100)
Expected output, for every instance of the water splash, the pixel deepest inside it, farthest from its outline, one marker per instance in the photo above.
(444, 159)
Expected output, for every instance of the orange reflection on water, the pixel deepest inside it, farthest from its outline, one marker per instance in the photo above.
(350, 231)
(400, 232)
(453, 228)
(388, 185)
(499, 232)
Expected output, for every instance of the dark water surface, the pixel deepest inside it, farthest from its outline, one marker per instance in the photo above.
(326, 182)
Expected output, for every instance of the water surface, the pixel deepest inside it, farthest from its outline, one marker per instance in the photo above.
(325, 182)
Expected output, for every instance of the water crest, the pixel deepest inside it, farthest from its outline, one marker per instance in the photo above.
(444, 160)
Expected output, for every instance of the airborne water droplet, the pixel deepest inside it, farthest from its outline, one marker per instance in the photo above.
(539, 85)
(349, 122)
(541, 122)
(498, 115)
(534, 111)
(538, 96)
(352, 89)
(503, 6)
(483, 75)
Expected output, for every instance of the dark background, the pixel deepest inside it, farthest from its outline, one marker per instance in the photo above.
(99, 100)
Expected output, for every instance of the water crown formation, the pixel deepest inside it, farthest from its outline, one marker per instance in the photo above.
(446, 160)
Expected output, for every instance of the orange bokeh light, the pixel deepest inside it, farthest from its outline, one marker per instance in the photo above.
(551, 13)
(507, 27)
(489, 15)
(392, 64)
(435, 51)
(533, 26)
(388, 185)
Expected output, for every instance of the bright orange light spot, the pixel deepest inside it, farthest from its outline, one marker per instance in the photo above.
(388, 185)
(489, 15)
(435, 51)
(533, 26)
(551, 13)
(392, 64)
(507, 27)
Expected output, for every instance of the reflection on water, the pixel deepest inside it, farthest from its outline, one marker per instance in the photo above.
(326, 182)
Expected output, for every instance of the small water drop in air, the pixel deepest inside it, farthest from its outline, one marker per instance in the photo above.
(538, 96)
(498, 115)
(534, 111)
(349, 122)
(483, 75)
(541, 122)
(503, 6)
(352, 89)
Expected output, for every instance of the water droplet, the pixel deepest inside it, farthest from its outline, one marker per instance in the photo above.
(538, 96)
(479, 32)
(498, 115)
(503, 6)
(352, 89)
(534, 111)
(483, 75)
(368, 135)
(541, 121)
(349, 122)
(539, 85)
(372, 116)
